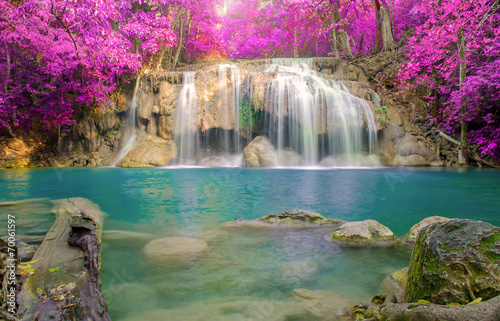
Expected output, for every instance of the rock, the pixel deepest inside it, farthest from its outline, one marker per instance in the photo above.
(25, 251)
(412, 160)
(260, 153)
(298, 217)
(174, 250)
(455, 261)
(126, 236)
(368, 232)
(395, 283)
(415, 229)
(320, 305)
(485, 310)
(289, 158)
(150, 151)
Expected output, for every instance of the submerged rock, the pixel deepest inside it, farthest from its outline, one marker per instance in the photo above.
(150, 151)
(298, 217)
(367, 232)
(455, 261)
(174, 250)
(260, 153)
(415, 229)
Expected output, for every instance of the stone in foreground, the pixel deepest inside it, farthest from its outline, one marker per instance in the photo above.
(367, 232)
(298, 217)
(455, 261)
(415, 229)
(174, 250)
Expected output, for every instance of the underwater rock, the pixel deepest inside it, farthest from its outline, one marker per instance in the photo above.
(455, 261)
(126, 236)
(150, 151)
(368, 232)
(298, 217)
(260, 153)
(415, 229)
(174, 250)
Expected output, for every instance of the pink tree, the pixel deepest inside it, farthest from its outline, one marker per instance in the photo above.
(454, 55)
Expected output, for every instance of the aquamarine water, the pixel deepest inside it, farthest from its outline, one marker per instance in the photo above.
(259, 264)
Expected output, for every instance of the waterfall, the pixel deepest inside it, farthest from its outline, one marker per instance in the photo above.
(186, 121)
(132, 124)
(316, 117)
(222, 73)
(236, 87)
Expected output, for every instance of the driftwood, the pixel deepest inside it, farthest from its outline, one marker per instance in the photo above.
(472, 154)
(66, 281)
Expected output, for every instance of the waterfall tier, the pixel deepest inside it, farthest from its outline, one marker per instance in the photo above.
(214, 113)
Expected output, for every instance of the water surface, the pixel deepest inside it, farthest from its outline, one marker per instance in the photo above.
(250, 264)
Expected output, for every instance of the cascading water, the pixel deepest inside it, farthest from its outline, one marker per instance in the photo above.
(236, 88)
(132, 126)
(316, 117)
(187, 138)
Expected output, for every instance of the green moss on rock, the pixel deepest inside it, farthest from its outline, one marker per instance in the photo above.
(455, 261)
(298, 217)
(364, 232)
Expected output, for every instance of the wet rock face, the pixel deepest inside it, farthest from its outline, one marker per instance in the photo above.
(298, 217)
(260, 153)
(455, 261)
(365, 232)
(402, 149)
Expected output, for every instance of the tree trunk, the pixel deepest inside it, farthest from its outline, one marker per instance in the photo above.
(295, 41)
(343, 39)
(179, 38)
(377, 31)
(463, 157)
(388, 42)
(7, 77)
(345, 45)
(157, 59)
(360, 47)
(334, 38)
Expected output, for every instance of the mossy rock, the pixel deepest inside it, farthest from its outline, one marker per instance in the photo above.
(415, 229)
(298, 217)
(455, 261)
(368, 232)
(400, 277)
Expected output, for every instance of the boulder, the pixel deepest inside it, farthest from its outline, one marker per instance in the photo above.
(368, 232)
(455, 261)
(293, 217)
(415, 229)
(150, 151)
(412, 160)
(289, 158)
(260, 153)
(174, 250)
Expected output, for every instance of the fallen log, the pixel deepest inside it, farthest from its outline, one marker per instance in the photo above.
(66, 281)
(472, 154)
